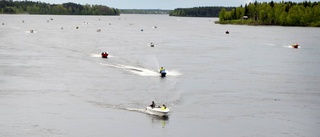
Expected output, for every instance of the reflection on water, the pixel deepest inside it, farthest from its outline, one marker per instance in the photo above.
(160, 120)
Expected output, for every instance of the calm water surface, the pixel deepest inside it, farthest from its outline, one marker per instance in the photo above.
(248, 83)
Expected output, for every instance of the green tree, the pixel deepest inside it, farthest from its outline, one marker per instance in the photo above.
(59, 9)
(283, 13)
(14, 7)
(221, 14)
(262, 16)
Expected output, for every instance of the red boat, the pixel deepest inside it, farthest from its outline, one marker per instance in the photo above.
(104, 54)
(295, 45)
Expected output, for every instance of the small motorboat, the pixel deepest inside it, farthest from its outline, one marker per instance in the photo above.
(227, 32)
(151, 44)
(295, 45)
(158, 111)
(104, 54)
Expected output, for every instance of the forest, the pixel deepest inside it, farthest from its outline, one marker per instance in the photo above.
(272, 13)
(198, 11)
(144, 11)
(30, 7)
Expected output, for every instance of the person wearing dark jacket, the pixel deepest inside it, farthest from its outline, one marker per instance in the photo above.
(153, 105)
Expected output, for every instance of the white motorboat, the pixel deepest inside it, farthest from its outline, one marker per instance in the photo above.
(159, 111)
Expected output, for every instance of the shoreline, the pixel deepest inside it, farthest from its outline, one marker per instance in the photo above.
(253, 23)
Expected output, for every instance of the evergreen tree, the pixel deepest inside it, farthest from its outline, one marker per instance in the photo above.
(283, 13)
(16, 7)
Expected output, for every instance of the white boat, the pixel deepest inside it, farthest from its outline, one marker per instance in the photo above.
(163, 112)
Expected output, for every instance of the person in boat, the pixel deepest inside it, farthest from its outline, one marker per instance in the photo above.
(162, 69)
(163, 107)
(153, 105)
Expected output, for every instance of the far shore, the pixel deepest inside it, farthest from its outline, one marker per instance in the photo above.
(251, 23)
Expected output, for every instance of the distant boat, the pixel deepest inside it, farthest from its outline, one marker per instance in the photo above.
(227, 32)
(295, 45)
(104, 54)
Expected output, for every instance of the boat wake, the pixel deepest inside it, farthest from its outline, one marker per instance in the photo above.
(290, 46)
(120, 107)
(31, 31)
(270, 44)
(141, 110)
(98, 55)
(287, 46)
(135, 70)
(143, 70)
(282, 45)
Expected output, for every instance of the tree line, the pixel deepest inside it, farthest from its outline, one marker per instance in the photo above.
(272, 13)
(144, 11)
(30, 7)
(198, 11)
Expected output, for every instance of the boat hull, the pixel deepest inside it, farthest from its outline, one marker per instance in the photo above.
(163, 73)
(158, 111)
(295, 46)
(104, 55)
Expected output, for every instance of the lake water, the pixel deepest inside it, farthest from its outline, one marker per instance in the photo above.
(248, 83)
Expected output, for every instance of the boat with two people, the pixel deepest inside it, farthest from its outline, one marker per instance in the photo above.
(161, 111)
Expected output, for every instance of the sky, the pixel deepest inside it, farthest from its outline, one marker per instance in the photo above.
(162, 4)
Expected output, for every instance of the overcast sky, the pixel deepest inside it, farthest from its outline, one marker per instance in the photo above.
(162, 4)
